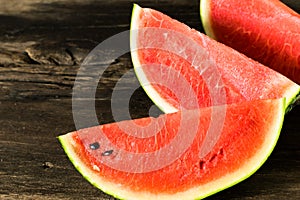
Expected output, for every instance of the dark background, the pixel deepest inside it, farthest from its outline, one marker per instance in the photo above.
(42, 43)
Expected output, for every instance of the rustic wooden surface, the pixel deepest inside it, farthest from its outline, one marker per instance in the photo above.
(42, 43)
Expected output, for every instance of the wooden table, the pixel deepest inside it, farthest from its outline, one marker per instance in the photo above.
(42, 44)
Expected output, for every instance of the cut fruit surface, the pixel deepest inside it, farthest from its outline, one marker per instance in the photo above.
(179, 67)
(117, 157)
(265, 30)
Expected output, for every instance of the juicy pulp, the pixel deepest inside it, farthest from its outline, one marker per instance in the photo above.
(164, 51)
(266, 30)
(248, 136)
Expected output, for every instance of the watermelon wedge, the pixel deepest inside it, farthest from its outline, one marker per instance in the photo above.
(131, 159)
(265, 30)
(181, 68)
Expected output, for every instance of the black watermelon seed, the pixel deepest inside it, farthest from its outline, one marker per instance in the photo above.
(107, 153)
(95, 146)
(213, 157)
(221, 152)
(201, 164)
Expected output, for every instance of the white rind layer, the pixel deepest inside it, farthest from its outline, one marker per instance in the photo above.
(145, 83)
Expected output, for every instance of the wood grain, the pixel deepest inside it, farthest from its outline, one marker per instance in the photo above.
(42, 44)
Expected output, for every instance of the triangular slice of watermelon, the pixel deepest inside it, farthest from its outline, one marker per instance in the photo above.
(266, 30)
(160, 158)
(179, 67)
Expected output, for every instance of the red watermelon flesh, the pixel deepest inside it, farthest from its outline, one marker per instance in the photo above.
(180, 67)
(116, 157)
(265, 30)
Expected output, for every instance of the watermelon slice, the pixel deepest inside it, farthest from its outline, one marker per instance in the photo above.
(159, 158)
(179, 67)
(265, 30)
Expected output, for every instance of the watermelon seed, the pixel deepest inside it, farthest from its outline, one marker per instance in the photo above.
(107, 153)
(201, 164)
(213, 157)
(221, 152)
(95, 146)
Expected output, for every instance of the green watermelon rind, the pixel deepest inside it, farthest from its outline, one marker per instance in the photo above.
(115, 190)
(205, 19)
(293, 102)
(79, 165)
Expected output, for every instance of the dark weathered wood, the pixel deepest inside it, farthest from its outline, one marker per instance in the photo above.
(42, 44)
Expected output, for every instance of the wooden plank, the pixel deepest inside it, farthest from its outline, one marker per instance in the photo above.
(42, 43)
